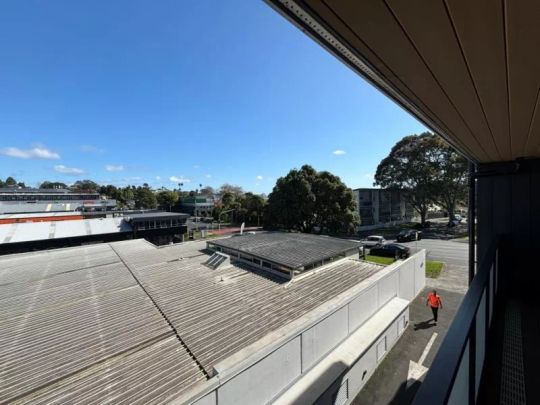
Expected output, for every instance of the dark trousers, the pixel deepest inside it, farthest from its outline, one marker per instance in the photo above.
(435, 311)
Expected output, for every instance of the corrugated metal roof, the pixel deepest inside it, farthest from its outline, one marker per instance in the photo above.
(40, 215)
(218, 312)
(34, 231)
(74, 323)
(292, 250)
(92, 324)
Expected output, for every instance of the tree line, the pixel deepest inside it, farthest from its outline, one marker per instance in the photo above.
(423, 167)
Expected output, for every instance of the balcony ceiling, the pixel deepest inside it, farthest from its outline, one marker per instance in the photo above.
(468, 69)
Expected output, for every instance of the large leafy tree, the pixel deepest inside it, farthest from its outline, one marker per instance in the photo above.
(305, 199)
(52, 184)
(427, 170)
(167, 199)
(145, 198)
(451, 180)
(85, 185)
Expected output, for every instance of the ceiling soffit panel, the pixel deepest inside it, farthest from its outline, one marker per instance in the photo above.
(372, 26)
(522, 28)
(427, 26)
(339, 39)
(468, 69)
(479, 27)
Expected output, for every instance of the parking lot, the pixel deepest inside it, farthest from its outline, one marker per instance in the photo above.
(448, 251)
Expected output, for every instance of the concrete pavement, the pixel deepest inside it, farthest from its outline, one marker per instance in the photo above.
(388, 385)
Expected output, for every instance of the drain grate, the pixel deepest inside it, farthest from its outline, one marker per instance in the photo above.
(512, 373)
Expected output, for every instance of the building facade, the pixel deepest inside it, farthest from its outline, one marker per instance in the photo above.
(199, 206)
(27, 200)
(378, 206)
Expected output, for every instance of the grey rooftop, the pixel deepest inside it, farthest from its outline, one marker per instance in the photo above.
(130, 322)
(292, 250)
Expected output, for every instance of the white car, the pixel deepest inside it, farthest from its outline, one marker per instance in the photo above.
(373, 240)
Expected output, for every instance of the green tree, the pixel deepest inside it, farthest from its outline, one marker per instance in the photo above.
(427, 170)
(452, 178)
(52, 184)
(167, 199)
(207, 190)
(305, 199)
(10, 182)
(253, 206)
(126, 197)
(230, 189)
(145, 198)
(85, 185)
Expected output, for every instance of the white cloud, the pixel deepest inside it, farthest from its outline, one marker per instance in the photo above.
(68, 170)
(158, 178)
(259, 177)
(91, 149)
(37, 152)
(208, 176)
(179, 179)
(196, 166)
(114, 168)
(339, 152)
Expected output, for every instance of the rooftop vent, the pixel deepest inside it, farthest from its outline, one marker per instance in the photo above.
(218, 259)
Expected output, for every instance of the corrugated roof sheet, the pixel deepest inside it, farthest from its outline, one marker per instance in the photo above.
(292, 250)
(92, 324)
(74, 323)
(218, 312)
(34, 231)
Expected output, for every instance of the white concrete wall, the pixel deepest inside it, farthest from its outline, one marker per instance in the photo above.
(260, 383)
(323, 337)
(360, 372)
(262, 371)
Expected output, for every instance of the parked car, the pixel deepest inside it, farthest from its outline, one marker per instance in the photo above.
(373, 240)
(391, 250)
(407, 235)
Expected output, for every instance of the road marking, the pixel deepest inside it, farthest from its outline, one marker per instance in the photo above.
(417, 370)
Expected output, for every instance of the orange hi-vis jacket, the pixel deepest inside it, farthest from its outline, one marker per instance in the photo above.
(434, 300)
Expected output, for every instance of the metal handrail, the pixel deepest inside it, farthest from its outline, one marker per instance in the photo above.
(439, 381)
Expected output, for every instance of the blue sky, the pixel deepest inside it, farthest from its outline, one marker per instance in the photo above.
(161, 91)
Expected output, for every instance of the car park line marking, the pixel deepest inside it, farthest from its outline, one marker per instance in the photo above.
(417, 370)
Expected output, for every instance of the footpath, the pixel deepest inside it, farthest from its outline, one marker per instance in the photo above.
(420, 341)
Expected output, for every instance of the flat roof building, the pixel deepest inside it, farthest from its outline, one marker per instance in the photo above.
(130, 322)
(380, 206)
(19, 236)
(15, 200)
(286, 254)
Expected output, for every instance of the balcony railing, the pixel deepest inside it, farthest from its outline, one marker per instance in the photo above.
(454, 376)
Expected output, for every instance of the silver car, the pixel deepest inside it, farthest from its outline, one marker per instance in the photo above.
(373, 240)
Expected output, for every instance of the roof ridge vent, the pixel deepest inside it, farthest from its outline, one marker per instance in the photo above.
(218, 259)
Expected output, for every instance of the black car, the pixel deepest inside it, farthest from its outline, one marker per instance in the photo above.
(408, 235)
(391, 250)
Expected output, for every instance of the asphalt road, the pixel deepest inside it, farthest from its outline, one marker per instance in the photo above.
(448, 251)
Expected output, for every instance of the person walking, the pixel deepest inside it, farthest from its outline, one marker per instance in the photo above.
(435, 302)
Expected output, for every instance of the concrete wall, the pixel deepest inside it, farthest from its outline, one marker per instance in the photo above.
(262, 371)
(354, 379)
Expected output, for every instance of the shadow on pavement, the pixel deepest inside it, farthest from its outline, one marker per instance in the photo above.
(424, 325)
